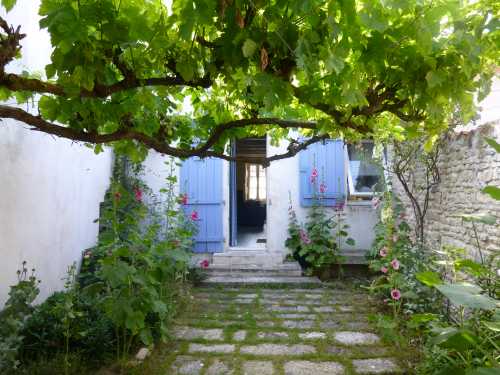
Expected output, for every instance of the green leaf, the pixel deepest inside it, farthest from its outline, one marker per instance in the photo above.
(467, 295)
(249, 48)
(493, 144)
(484, 371)
(9, 4)
(350, 242)
(429, 278)
(434, 78)
(493, 192)
(494, 326)
(454, 338)
(185, 69)
(423, 318)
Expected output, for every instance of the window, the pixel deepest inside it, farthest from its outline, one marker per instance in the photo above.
(255, 180)
(363, 172)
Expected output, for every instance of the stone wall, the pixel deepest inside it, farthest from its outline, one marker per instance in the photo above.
(466, 165)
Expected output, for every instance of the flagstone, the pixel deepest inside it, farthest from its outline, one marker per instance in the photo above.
(187, 333)
(272, 335)
(218, 348)
(219, 368)
(240, 335)
(301, 324)
(258, 368)
(313, 368)
(185, 365)
(375, 366)
(312, 335)
(277, 349)
(356, 338)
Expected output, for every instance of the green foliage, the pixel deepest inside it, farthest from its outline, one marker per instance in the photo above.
(135, 267)
(316, 243)
(8, 4)
(13, 317)
(46, 332)
(319, 60)
(397, 260)
(459, 328)
(125, 294)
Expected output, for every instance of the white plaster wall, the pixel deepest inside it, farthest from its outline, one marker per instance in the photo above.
(50, 188)
(155, 174)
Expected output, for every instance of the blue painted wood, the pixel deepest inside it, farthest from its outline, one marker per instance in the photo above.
(233, 199)
(201, 180)
(327, 158)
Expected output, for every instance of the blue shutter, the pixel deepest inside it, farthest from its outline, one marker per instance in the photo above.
(201, 180)
(328, 159)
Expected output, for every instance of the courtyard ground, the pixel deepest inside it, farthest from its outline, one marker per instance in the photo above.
(288, 330)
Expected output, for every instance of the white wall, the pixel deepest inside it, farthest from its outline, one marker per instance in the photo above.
(50, 188)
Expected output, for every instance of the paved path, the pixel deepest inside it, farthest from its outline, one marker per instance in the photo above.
(258, 331)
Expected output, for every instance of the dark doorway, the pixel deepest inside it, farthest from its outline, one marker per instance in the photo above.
(248, 196)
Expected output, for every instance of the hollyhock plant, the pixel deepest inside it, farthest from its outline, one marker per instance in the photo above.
(138, 194)
(383, 252)
(339, 206)
(184, 199)
(395, 264)
(395, 294)
(194, 215)
(204, 263)
(304, 237)
(384, 269)
(314, 175)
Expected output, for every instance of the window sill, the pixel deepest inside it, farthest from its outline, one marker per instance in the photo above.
(359, 203)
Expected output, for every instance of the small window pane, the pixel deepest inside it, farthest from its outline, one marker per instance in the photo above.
(364, 172)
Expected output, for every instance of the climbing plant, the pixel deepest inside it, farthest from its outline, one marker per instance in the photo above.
(121, 70)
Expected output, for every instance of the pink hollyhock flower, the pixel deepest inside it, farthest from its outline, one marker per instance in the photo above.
(194, 215)
(118, 195)
(395, 238)
(375, 202)
(339, 206)
(384, 269)
(184, 199)
(395, 264)
(204, 263)
(138, 194)
(322, 188)
(304, 237)
(314, 175)
(395, 294)
(383, 252)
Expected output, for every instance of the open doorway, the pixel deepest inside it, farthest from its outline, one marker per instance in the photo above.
(248, 196)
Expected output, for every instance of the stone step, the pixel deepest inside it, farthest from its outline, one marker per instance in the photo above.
(243, 272)
(354, 257)
(250, 279)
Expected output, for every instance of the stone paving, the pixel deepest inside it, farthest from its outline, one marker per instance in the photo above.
(288, 331)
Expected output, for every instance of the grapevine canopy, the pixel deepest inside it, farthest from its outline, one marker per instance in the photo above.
(122, 70)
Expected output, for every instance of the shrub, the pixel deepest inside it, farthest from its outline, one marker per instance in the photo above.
(14, 316)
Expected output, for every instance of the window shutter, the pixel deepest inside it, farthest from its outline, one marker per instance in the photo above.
(327, 158)
(201, 180)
